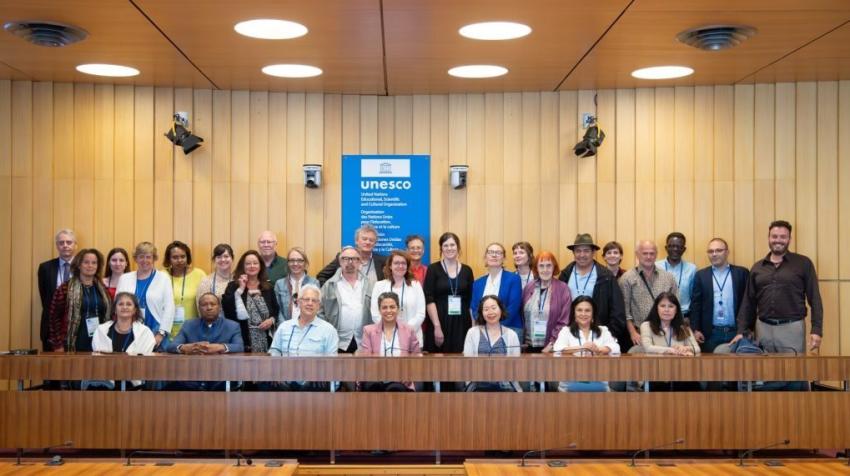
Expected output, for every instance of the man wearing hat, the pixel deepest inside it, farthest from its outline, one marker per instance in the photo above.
(586, 277)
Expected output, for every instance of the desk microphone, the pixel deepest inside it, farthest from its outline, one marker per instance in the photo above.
(529, 453)
(749, 453)
(240, 457)
(678, 441)
(57, 460)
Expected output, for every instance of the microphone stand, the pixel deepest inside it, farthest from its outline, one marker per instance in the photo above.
(647, 450)
(749, 453)
(57, 459)
(529, 453)
(240, 457)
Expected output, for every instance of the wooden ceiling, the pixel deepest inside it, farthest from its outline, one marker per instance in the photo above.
(406, 46)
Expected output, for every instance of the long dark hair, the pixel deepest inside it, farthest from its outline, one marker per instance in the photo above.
(594, 327)
(677, 324)
(108, 269)
(479, 319)
(262, 276)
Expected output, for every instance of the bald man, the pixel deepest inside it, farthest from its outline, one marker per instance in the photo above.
(276, 266)
(640, 286)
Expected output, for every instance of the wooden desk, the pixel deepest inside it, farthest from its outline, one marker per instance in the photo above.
(422, 421)
(113, 469)
(798, 468)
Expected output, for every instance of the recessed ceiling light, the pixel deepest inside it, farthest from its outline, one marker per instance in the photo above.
(114, 70)
(268, 29)
(478, 71)
(495, 30)
(292, 70)
(662, 72)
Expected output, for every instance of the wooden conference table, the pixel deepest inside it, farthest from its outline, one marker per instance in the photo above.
(423, 420)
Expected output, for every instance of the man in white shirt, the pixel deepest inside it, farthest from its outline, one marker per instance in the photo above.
(682, 270)
(346, 299)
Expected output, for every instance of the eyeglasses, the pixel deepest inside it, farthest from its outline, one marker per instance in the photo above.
(495, 253)
(349, 259)
(64, 242)
(267, 242)
(297, 261)
(716, 251)
(309, 299)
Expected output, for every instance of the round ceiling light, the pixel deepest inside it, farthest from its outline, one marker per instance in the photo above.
(662, 72)
(112, 70)
(495, 30)
(292, 70)
(269, 29)
(478, 71)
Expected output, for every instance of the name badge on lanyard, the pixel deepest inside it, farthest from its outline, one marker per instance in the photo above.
(179, 314)
(454, 305)
(91, 325)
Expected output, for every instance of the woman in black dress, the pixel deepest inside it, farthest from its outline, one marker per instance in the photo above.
(448, 291)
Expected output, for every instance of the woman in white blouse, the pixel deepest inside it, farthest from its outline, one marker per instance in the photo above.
(400, 280)
(152, 289)
(584, 337)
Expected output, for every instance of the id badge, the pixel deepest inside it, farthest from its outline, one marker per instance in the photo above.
(179, 315)
(721, 313)
(454, 305)
(539, 330)
(91, 325)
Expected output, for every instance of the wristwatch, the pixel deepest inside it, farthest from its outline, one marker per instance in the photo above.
(161, 332)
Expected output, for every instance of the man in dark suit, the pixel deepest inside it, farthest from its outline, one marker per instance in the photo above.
(51, 274)
(371, 264)
(717, 294)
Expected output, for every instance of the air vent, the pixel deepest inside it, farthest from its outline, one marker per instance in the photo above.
(44, 33)
(716, 37)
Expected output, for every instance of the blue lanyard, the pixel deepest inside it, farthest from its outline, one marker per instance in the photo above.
(454, 283)
(721, 286)
(294, 326)
(669, 336)
(586, 280)
(142, 295)
(681, 267)
(579, 337)
(487, 334)
(389, 351)
(401, 301)
(87, 299)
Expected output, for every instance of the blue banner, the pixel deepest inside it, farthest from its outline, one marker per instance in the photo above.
(391, 193)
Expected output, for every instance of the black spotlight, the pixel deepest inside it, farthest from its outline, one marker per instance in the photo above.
(592, 139)
(180, 136)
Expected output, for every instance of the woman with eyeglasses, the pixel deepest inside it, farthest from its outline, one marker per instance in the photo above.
(216, 282)
(287, 289)
(409, 292)
(154, 291)
(499, 282)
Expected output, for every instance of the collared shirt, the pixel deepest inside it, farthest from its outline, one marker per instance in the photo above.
(279, 269)
(350, 310)
(582, 284)
(316, 338)
(493, 284)
(684, 272)
(61, 274)
(368, 270)
(780, 292)
(295, 285)
(220, 331)
(724, 297)
(639, 295)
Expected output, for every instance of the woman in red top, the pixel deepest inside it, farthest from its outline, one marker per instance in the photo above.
(117, 263)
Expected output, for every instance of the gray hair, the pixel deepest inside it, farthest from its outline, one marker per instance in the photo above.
(365, 228)
(312, 287)
(65, 231)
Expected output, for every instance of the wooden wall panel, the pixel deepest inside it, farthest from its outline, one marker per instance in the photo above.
(707, 161)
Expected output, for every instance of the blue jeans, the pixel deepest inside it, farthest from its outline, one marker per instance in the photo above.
(719, 335)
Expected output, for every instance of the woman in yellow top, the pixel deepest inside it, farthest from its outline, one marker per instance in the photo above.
(184, 282)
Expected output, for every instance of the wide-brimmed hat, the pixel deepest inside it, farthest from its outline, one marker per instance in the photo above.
(583, 239)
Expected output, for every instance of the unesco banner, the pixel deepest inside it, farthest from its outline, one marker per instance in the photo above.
(390, 192)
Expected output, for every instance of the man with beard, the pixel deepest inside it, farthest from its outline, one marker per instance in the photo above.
(776, 294)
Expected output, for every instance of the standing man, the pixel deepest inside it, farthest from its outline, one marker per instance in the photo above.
(276, 266)
(682, 270)
(52, 274)
(717, 295)
(372, 264)
(586, 277)
(776, 294)
(640, 286)
(347, 300)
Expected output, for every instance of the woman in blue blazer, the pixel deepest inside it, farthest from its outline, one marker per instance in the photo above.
(502, 283)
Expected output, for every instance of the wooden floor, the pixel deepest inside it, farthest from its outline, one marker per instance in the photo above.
(682, 468)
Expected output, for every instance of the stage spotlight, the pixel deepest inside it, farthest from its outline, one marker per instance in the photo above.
(182, 137)
(592, 139)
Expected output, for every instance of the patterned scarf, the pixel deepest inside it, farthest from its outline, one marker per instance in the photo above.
(75, 308)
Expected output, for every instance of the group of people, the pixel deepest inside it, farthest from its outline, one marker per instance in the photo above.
(362, 302)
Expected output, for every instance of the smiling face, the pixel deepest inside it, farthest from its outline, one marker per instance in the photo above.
(224, 263)
(613, 257)
(545, 269)
(583, 255)
(267, 244)
(125, 308)
(144, 262)
(209, 307)
(252, 266)
(118, 264)
(491, 311)
(389, 310)
(675, 248)
(521, 257)
(297, 263)
(449, 249)
(584, 314)
(309, 302)
(416, 248)
(718, 253)
(349, 261)
(779, 238)
(88, 265)
(494, 257)
(399, 267)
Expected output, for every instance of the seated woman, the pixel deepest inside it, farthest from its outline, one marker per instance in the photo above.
(209, 335)
(489, 337)
(665, 332)
(125, 332)
(388, 338)
(585, 337)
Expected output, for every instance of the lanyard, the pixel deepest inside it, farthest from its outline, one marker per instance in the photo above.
(541, 301)
(401, 301)
(392, 342)
(295, 326)
(369, 268)
(586, 280)
(142, 295)
(721, 286)
(215, 278)
(126, 337)
(640, 272)
(681, 267)
(183, 290)
(87, 301)
(454, 283)
(579, 337)
(669, 336)
(487, 334)
(527, 279)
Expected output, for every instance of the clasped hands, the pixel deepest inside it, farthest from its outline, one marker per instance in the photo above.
(203, 347)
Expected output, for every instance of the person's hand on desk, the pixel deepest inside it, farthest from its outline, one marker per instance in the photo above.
(207, 348)
(194, 348)
(681, 350)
